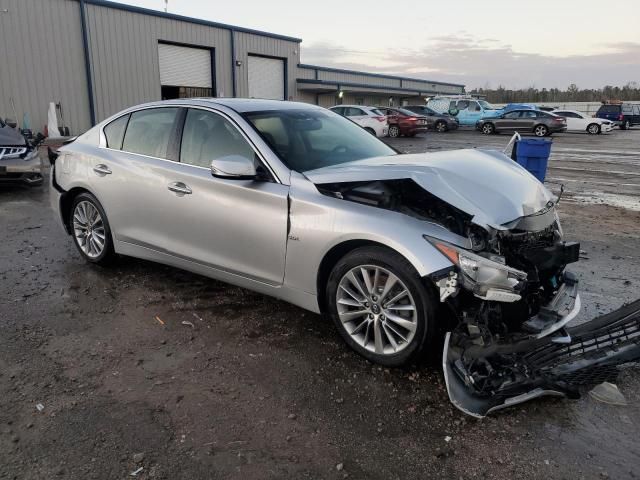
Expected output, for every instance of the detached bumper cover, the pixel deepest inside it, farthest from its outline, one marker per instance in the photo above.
(559, 366)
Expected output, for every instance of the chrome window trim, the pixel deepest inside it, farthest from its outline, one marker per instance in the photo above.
(257, 151)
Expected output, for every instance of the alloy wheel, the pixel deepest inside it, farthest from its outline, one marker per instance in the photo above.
(376, 309)
(487, 128)
(441, 127)
(593, 129)
(88, 229)
(394, 131)
(540, 131)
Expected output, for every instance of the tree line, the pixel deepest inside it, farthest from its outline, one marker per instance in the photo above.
(631, 91)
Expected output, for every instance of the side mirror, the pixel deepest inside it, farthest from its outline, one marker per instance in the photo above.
(233, 167)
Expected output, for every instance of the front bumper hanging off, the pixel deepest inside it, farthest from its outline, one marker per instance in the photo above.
(483, 378)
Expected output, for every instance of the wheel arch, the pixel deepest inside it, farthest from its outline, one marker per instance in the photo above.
(421, 264)
(66, 200)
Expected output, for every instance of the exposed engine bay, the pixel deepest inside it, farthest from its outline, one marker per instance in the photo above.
(511, 297)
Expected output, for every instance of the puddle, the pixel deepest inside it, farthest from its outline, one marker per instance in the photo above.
(599, 198)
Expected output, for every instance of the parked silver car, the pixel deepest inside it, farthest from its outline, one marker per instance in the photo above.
(297, 202)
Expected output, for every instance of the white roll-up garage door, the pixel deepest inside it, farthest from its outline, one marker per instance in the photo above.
(184, 66)
(266, 78)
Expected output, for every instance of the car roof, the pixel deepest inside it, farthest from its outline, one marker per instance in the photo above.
(240, 105)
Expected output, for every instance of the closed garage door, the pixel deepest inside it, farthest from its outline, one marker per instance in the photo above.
(266, 78)
(187, 70)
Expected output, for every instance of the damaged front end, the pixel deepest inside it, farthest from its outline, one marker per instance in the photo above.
(508, 288)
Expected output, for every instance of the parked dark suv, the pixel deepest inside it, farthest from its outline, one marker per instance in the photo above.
(439, 122)
(625, 115)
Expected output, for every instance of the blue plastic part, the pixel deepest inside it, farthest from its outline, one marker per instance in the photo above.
(533, 155)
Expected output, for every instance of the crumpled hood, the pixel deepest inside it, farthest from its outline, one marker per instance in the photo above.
(483, 183)
(10, 137)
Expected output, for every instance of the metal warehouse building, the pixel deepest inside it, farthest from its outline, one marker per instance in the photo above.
(96, 57)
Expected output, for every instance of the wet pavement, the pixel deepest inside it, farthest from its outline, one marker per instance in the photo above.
(250, 387)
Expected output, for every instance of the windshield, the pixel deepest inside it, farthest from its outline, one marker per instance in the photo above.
(307, 139)
(486, 105)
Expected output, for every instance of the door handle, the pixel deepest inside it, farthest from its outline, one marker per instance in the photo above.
(102, 169)
(180, 188)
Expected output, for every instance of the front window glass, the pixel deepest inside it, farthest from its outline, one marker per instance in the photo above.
(149, 131)
(512, 115)
(486, 105)
(208, 136)
(309, 139)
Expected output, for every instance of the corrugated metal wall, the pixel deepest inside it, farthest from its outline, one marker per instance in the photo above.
(41, 61)
(124, 55)
(246, 44)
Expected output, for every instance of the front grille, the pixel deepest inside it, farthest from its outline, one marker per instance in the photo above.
(12, 152)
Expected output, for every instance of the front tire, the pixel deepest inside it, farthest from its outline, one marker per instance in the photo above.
(540, 131)
(441, 126)
(593, 129)
(380, 306)
(90, 230)
(394, 131)
(626, 125)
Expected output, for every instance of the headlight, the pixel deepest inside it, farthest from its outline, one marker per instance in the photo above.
(487, 277)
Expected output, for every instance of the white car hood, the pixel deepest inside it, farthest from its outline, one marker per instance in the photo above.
(486, 184)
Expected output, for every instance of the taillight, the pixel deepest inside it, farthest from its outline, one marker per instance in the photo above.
(621, 117)
(381, 119)
(412, 119)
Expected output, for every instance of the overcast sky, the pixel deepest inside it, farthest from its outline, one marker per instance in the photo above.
(516, 43)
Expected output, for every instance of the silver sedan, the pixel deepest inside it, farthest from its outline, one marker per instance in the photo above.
(297, 202)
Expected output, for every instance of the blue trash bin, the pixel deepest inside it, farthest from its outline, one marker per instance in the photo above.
(533, 155)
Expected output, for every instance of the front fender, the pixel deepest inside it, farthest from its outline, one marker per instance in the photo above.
(319, 223)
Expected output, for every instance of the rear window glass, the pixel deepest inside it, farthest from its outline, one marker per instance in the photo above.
(149, 131)
(376, 111)
(627, 108)
(114, 132)
(609, 109)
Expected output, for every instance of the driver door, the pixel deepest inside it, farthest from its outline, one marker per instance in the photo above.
(237, 226)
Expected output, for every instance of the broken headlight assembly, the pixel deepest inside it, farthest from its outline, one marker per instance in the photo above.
(487, 277)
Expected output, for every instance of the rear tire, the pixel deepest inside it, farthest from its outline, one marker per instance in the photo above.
(540, 130)
(90, 230)
(388, 318)
(626, 125)
(488, 128)
(394, 131)
(593, 129)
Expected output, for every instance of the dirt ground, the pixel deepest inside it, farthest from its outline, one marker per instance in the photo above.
(254, 388)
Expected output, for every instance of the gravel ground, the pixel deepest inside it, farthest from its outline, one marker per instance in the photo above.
(255, 388)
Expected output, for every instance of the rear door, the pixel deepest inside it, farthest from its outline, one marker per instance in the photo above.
(526, 120)
(509, 121)
(237, 226)
(129, 179)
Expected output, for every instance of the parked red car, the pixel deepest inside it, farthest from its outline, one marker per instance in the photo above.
(404, 122)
